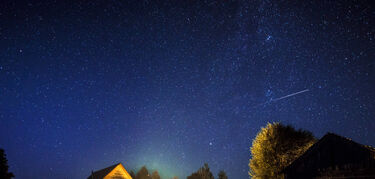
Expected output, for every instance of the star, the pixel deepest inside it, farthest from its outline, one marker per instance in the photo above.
(268, 37)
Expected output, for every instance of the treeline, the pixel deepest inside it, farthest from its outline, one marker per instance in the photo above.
(4, 173)
(144, 174)
(202, 173)
(205, 173)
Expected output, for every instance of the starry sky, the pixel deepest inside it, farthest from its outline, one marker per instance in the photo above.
(174, 84)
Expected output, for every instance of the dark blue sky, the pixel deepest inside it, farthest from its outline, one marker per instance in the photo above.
(174, 84)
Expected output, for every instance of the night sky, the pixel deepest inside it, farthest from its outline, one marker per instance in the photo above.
(174, 84)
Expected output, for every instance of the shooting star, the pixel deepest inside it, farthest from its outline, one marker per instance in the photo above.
(290, 95)
(287, 96)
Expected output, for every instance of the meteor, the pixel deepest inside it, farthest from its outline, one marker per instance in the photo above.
(290, 95)
(287, 96)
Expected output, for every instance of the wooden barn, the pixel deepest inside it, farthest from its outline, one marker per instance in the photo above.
(116, 171)
(332, 157)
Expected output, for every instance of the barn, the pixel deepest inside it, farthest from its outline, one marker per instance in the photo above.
(332, 157)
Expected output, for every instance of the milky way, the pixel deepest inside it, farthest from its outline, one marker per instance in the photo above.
(173, 84)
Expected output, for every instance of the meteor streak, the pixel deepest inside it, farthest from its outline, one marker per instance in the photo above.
(287, 96)
(290, 95)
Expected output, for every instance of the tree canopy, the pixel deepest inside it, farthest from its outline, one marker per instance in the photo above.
(222, 175)
(143, 174)
(202, 173)
(155, 175)
(275, 147)
(4, 174)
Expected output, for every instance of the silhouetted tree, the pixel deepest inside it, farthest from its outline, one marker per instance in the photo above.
(155, 175)
(143, 174)
(202, 173)
(132, 174)
(222, 175)
(4, 174)
(275, 147)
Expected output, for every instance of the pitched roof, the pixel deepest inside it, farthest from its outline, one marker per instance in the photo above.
(100, 174)
(328, 137)
(371, 149)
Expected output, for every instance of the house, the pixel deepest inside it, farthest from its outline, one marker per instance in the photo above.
(116, 171)
(333, 156)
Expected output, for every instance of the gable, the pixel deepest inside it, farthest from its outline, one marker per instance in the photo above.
(332, 151)
(118, 172)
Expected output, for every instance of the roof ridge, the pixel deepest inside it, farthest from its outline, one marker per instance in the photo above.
(103, 172)
(108, 167)
(350, 140)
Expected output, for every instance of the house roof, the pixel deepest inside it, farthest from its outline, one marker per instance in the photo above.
(344, 139)
(100, 174)
(328, 137)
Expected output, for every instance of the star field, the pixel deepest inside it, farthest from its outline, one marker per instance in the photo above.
(174, 84)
